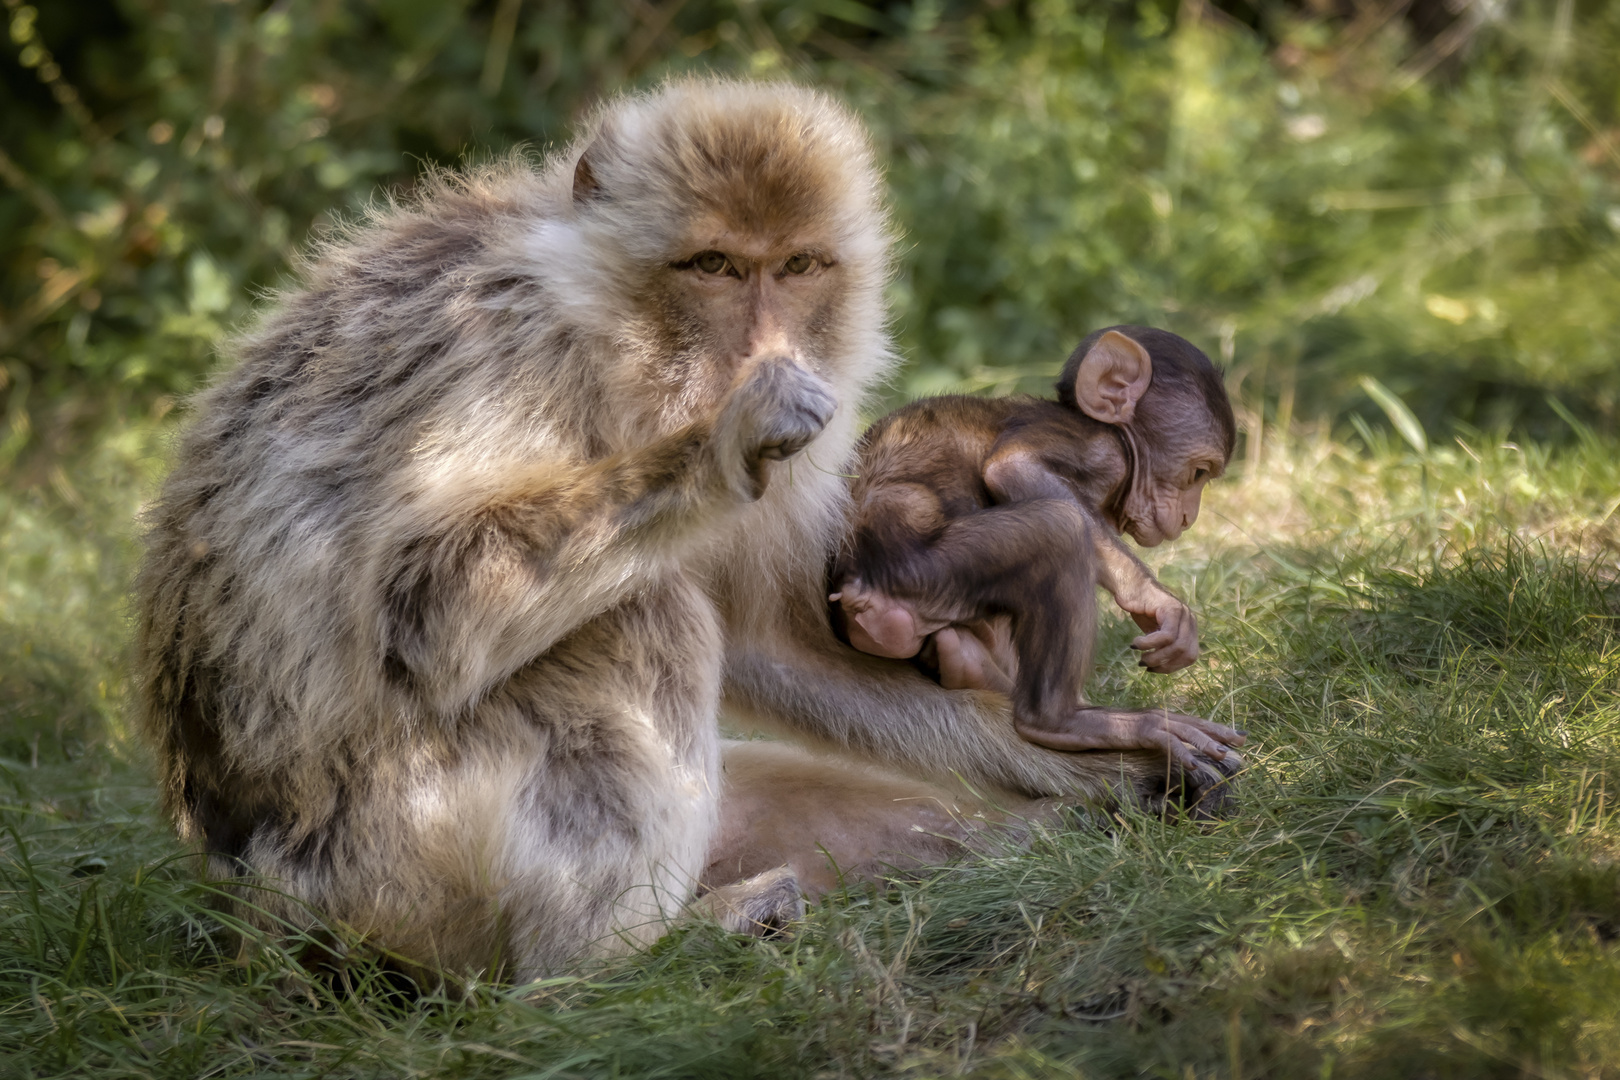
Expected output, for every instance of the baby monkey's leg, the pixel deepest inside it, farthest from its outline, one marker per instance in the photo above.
(967, 656)
(1028, 567)
(1170, 643)
(1079, 726)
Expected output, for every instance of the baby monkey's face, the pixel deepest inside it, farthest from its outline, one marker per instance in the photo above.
(1172, 411)
(1172, 506)
(1182, 450)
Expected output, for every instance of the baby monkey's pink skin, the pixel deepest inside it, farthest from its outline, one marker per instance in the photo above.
(968, 656)
(882, 625)
(975, 656)
(984, 525)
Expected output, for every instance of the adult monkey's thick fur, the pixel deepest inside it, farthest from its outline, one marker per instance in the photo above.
(441, 594)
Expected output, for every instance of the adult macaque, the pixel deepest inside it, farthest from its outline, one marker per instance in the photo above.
(984, 525)
(457, 561)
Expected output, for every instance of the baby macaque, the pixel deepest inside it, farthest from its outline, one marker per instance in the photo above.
(984, 525)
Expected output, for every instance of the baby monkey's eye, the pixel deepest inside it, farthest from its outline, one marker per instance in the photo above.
(711, 262)
(799, 264)
(1199, 475)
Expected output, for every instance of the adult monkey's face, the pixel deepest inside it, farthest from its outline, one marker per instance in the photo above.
(748, 235)
(752, 297)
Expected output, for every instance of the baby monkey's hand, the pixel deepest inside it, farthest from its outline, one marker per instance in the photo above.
(1171, 641)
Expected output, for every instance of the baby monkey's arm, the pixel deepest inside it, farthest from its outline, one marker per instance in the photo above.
(1171, 643)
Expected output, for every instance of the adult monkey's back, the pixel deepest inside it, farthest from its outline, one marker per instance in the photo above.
(435, 608)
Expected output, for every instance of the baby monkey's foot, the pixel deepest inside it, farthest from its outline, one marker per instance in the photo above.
(879, 624)
(1181, 737)
(975, 656)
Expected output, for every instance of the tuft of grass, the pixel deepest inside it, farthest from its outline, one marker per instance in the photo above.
(1421, 879)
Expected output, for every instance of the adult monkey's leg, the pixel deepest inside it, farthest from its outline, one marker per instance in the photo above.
(828, 819)
(567, 816)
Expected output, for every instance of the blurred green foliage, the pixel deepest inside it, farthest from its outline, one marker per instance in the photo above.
(1429, 194)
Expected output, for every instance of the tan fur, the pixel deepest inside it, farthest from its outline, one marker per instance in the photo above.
(831, 820)
(423, 641)
(766, 903)
(437, 599)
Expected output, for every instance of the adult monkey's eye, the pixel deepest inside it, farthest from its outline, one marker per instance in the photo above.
(799, 264)
(711, 262)
(1199, 475)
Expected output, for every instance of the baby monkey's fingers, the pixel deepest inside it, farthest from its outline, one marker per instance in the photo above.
(1167, 659)
(1173, 645)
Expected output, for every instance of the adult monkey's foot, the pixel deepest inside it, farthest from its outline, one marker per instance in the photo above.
(765, 905)
(1203, 793)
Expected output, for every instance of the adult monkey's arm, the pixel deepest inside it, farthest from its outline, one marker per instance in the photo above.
(490, 578)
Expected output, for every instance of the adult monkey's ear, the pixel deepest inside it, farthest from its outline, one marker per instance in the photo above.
(1113, 376)
(586, 186)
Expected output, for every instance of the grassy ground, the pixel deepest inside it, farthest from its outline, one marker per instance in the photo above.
(1420, 880)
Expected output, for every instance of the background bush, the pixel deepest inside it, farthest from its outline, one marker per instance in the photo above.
(1428, 192)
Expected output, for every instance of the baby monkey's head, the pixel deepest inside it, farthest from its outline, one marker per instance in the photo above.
(1169, 404)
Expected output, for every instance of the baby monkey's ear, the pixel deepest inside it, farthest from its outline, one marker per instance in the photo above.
(1112, 378)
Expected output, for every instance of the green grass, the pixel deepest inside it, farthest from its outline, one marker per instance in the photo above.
(1420, 879)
